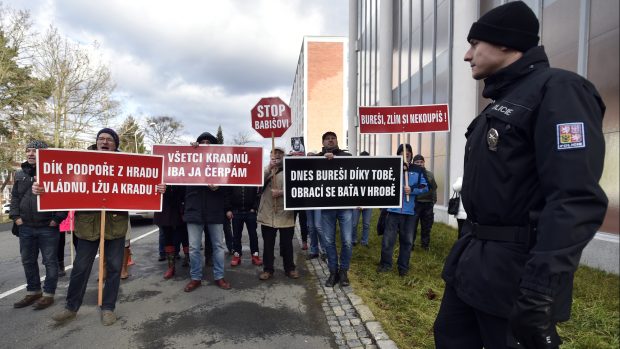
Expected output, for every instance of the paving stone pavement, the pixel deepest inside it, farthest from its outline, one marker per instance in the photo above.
(350, 320)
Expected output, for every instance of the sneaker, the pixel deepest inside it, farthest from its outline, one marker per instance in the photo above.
(27, 300)
(256, 259)
(332, 280)
(304, 246)
(265, 275)
(236, 260)
(192, 285)
(223, 284)
(64, 315)
(293, 274)
(108, 317)
(43, 302)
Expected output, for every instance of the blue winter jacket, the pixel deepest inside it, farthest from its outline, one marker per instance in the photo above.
(418, 185)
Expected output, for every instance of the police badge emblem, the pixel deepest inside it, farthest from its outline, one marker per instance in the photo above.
(492, 139)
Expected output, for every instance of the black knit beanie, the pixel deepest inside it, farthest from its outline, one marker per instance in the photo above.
(36, 144)
(208, 136)
(112, 133)
(418, 157)
(513, 25)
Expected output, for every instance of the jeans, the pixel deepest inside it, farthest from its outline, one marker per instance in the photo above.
(328, 222)
(286, 247)
(84, 257)
(31, 241)
(249, 218)
(426, 217)
(315, 231)
(61, 247)
(216, 236)
(403, 226)
(366, 214)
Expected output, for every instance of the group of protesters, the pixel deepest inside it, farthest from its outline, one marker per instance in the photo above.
(191, 212)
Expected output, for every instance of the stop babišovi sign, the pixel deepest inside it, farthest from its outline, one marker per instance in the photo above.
(271, 116)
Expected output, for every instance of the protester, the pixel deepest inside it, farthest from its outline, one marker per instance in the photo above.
(461, 216)
(66, 227)
(366, 214)
(401, 221)
(245, 200)
(38, 231)
(170, 222)
(126, 253)
(273, 218)
(315, 231)
(87, 231)
(533, 161)
(337, 271)
(206, 209)
(424, 204)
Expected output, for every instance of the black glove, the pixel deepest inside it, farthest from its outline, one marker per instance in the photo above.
(531, 321)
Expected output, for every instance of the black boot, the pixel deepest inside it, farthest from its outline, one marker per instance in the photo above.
(332, 280)
(344, 279)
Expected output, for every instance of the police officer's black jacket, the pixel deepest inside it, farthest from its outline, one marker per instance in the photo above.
(24, 202)
(518, 174)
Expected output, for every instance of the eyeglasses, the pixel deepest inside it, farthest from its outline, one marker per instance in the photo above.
(105, 139)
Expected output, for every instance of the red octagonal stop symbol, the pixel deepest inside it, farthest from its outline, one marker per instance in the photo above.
(271, 117)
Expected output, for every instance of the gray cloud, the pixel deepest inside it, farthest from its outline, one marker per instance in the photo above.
(204, 62)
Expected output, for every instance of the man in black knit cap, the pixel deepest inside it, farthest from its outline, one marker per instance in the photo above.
(509, 278)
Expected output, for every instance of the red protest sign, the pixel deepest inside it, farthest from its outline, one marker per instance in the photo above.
(98, 180)
(271, 117)
(404, 118)
(211, 164)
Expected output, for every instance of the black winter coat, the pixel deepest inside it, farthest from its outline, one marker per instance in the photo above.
(173, 205)
(523, 170)
(245, 198)
(206, 206)
(24, 202)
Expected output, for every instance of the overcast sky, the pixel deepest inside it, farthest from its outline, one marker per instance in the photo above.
(206, 63)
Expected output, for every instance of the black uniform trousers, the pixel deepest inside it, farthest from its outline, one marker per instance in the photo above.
(460, 326)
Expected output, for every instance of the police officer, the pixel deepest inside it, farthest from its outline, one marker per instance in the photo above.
(533, 160)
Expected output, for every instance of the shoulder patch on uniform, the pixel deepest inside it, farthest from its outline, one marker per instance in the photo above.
(571, 136)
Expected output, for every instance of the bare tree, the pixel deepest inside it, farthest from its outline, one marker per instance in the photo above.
(22, 97)
(242, 137)
(163, 129)
(82, 87)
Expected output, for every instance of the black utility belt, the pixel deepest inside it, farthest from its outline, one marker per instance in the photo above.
(515, 233)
